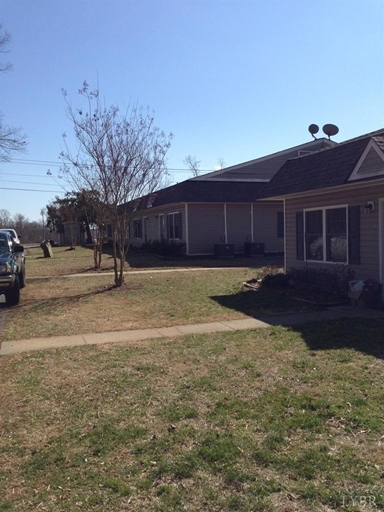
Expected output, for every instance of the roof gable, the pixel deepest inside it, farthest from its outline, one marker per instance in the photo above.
(331, 167)
(370, 164)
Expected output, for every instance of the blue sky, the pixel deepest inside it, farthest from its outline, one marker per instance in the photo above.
(231, 79)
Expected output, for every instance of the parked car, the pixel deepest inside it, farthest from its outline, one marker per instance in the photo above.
(13, 234)
(12, 269)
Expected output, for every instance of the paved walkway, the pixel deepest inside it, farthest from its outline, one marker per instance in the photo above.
(333, 313)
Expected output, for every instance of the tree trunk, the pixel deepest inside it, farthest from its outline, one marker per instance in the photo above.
(98, 248)
(88, 231)
(121, 267)
(115, 265)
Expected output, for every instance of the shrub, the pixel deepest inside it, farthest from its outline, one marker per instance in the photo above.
(164, 248)
(334, 280)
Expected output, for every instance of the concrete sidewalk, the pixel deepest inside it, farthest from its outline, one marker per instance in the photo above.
(333, 313)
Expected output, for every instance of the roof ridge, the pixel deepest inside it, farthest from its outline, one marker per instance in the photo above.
(369, 135)
(365, 136)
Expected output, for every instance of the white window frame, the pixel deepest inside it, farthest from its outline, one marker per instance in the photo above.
(324, 209)
(172, 214)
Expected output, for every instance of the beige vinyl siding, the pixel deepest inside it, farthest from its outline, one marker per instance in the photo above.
(265, 226)
(238, 225)
(369, 227)
(206, 227)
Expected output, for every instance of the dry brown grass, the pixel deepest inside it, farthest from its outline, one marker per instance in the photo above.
(270, 420)
(57, 305)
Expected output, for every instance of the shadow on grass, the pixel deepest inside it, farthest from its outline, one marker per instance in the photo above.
(263, 301)
(54, 302)
(362, 335)
(137, 259)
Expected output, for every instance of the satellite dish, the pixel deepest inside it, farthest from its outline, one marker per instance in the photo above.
(330, 130)
(313, 128)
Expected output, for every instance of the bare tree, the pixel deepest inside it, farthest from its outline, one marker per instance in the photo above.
(221, 162)
(193, 164)
(120, 157)
(20, 223)
(5, 218)
(11, 139)
(5, 39)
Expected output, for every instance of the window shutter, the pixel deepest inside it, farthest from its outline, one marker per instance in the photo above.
(300, 235)
(354, 235)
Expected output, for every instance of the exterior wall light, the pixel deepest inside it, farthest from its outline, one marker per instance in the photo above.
(369, 207)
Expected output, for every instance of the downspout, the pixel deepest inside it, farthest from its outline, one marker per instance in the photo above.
(225, 223)
(285, 238)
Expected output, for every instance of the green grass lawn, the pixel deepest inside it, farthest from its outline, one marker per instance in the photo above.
(277, 419)
(54, 305)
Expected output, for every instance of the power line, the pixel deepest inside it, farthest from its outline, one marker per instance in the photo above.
(32, 190)
(61, 164)
(28, 175)
(33, 162)
(26, 183)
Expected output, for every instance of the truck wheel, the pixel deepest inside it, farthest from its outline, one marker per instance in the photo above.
(12, 297)
(22, 279)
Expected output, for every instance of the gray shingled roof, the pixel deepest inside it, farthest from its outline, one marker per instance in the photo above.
(326, 168)
(190, 191)
(266, 166)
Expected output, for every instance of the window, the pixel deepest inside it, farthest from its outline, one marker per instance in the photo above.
(174, 226)
(138, 228)
(326, 234)
(314, 235)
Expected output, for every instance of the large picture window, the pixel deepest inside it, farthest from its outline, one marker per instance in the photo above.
(326, 234)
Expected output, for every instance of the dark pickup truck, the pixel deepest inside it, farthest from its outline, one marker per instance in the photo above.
(12, 269)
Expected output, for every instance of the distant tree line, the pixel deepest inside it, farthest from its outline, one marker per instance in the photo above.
(28, 231)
